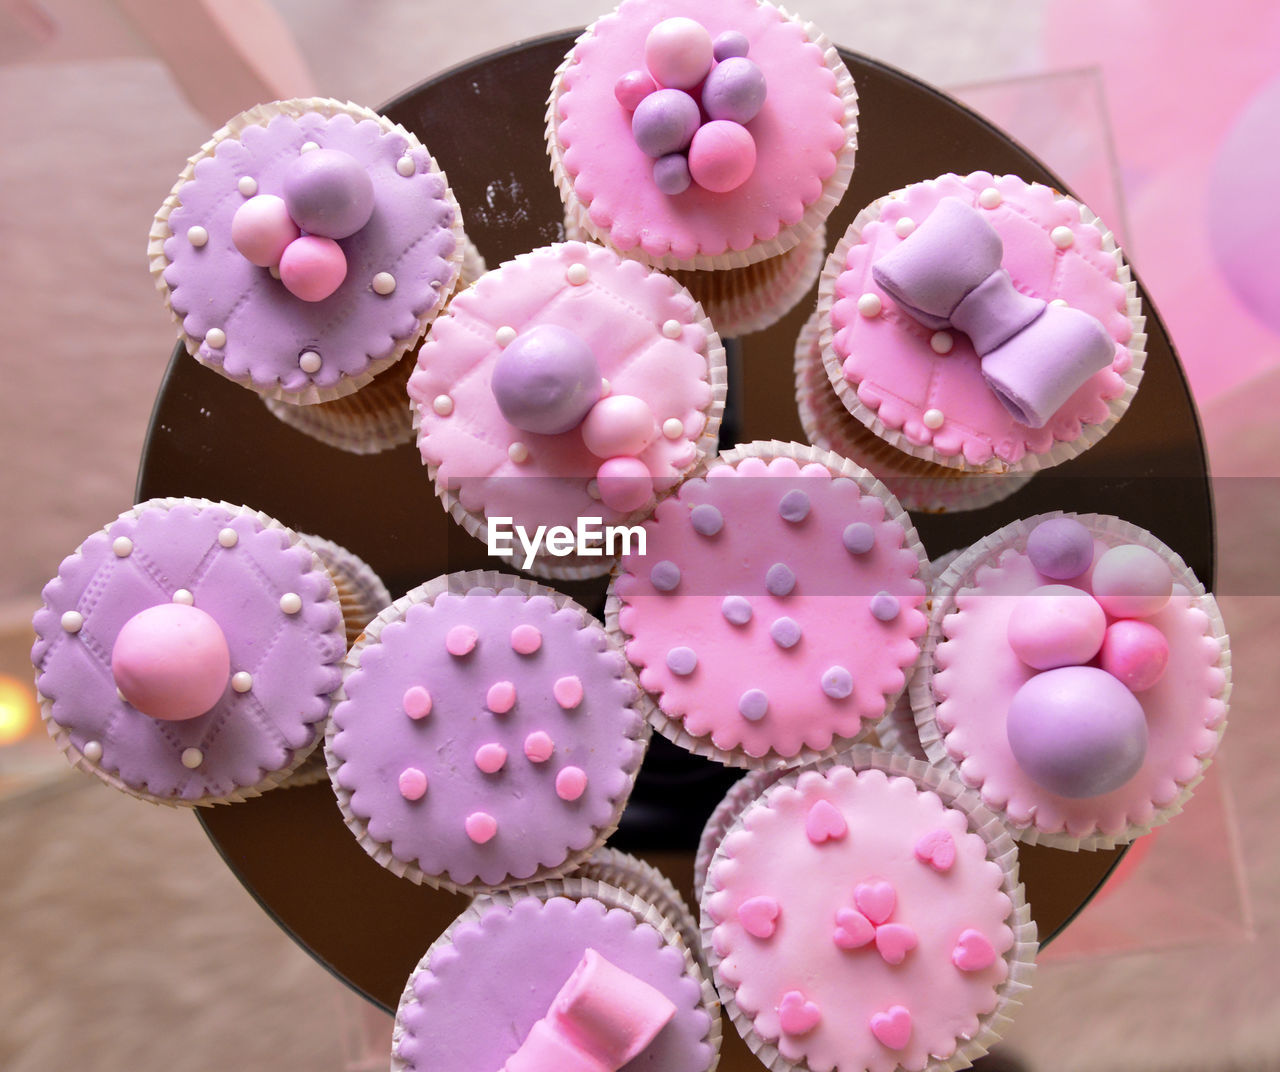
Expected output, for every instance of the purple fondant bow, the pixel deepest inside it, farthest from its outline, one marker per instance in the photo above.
(947, 274)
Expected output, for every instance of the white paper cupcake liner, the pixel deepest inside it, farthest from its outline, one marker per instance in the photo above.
(427, 593)
(1001, 850)
(815, 216)
(961, 572)
(261, 115)
(740, 794)
(1060, 451)
(361, 592)
(803, 454)
(577, 888)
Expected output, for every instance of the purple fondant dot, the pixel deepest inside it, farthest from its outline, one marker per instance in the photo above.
(706, 519)
(785, 632)
(736, 609)
(884, 606)
(665, 576)
(794, 506)
(730, 43)
(753, 704)
(859, 538)
(837, 683)
(1060, 548)
(682, 661)
(779, 581)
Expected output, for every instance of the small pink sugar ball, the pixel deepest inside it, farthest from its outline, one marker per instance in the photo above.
(312, 268)
(678, 53)
(329, 193)
(1056, 625)
(619, 425)
(1136, 653)
(632, 88)
(722, 156)
(262, 228)
(665, 122)
(1132, 581)
(735, 89)
(171, 661)
(625, 484)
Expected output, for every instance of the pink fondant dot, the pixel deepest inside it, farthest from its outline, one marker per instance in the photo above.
(568, 692)
(480, 826)
(460, 640)
(491, 758)
(417, 702)
(539, 747)
(501, 697)
(525, 639)
(312, 268)
(571, 783)
(413, 783)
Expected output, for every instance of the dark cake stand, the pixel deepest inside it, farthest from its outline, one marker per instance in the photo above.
(483, 122)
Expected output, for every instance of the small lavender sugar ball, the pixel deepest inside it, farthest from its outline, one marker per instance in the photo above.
(632, 88)
(671, 174)
(546, 380)
(730, 43)
(678, 52)
(1060, 548)
(722, 156)
(665, 122)
(735, 89)
(329, 193)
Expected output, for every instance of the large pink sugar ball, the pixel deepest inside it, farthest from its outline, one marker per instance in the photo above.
(1136, 653)
(1132, 581)
(678, 53)
(624, 484)
(1056, 625)
(619, 425)
(262, 228)
(722, 156)
(171, 661)
(664, 122)
(312, 268)
(329, 193)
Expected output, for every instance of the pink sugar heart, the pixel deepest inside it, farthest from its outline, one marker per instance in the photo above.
(759, 916)
(876, 900)
(973, 952)
(825, 823)
(937, 849)
(853, 929)
(797, 1016)
(895, 941)
(892, 1028)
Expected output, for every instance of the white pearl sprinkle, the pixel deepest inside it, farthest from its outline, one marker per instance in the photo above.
(672, 329)
(384, 283)
(990, 198)
(405, 166)
(242, 681)
(605, 387)
(309, 361)
(1062, 237)
(870, 305)
(248, 185)
(904, 226)
(122, 546)
(941, 342)
(197, 236)
(443, 405)
(215, 338)
(505, 335)
(577, 274)
(1061, 303)
(274, 270)
(92, 751)
(308, 147)
(120, 695)
(933, 419)
(673, 428)
(291, 602)
(228, 537)
(192, 758)
(72, 621)
(184, 596)
(518, 453)
(593, 489)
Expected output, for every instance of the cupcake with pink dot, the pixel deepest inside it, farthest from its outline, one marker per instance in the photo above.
(486, 734)
(1077, 674)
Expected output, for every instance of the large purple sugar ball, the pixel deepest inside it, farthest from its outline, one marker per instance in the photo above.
(664, 122)
(328, 193)
(735, 89)
(546, 380)
(1077, 731)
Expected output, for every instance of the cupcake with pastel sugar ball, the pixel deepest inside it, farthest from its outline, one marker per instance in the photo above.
(1077, 675)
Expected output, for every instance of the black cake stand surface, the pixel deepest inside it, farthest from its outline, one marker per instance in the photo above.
(483, 122)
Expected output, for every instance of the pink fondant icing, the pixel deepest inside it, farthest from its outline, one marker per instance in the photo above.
(903, 1007)
(889, 358)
